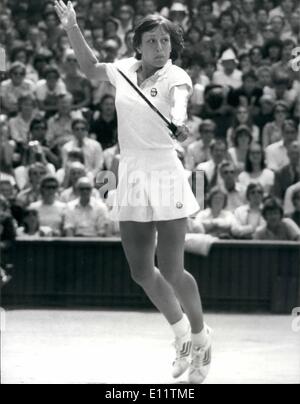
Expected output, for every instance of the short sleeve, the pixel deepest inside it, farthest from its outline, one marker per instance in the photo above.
(178, 77)
(111, 71)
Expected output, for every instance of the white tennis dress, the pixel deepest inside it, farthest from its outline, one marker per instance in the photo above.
(153, 185)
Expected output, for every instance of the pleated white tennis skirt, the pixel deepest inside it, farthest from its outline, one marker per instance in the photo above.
(153, 186)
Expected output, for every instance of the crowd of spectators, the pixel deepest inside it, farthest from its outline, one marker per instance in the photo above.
(58, 130)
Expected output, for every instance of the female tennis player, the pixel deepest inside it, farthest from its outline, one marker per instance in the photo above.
(154, 198)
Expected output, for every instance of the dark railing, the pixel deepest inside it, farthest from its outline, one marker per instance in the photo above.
(94, 272)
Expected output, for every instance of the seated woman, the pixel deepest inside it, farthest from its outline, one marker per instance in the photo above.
(249, 217)
(242, 141)
(31, 228)
(215, 220)
(277, 228)
(242, 118)
(255, 170)
(272, 132)
(49, 89)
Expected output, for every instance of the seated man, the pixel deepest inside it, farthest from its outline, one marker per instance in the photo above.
(277, 228)
(91, 149)
(290, 174)
(277, 153)
(32, 193)
(234, 190)
(249, 217)
(211, 168)
(86, 216)
(199, 151)
(75, 172)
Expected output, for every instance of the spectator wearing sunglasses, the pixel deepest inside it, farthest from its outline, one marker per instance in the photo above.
(86, 216)
(92, 150)
(14, 87)
(50, 209)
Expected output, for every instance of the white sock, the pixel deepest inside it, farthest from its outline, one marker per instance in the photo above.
(182, 327)
(201, 338)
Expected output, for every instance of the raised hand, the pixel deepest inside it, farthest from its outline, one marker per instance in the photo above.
(66, 14)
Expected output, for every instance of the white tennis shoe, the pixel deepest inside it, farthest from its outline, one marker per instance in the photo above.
(201, 360)
(183, 348)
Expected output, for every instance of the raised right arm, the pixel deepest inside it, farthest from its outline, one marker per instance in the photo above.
(85, 56)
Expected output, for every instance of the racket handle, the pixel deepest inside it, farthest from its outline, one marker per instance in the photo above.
(173, 128)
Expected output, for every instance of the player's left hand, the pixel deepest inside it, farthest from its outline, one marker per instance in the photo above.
(182, 133)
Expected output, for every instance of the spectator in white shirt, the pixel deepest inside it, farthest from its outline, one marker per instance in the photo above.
(234, 190)
(19, 125)
(211, 168)
(216, 220)
(256, 171)
(76, 171)
(199, 151)
(50, 209)
(86, 217)
(276, 154)
(12, 88)
(92, 150)
(228, 75)
(49, 89)
(249, 217)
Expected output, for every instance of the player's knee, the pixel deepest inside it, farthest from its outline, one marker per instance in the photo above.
(172, 276)
(142, 277)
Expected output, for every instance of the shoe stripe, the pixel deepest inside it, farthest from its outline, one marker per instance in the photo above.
(186, 349)
(207, 357)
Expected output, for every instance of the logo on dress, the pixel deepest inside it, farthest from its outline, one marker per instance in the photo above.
(179, 205)
(154, 92)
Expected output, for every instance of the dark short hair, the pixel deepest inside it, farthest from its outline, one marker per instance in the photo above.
(272, 204)
(49, 178)
(51, 69)
(290, 123)
(239, 130)
(251, 187)
(38, 121)
(214, 191)
(80, 120)
(217, 141)
(153, 21)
